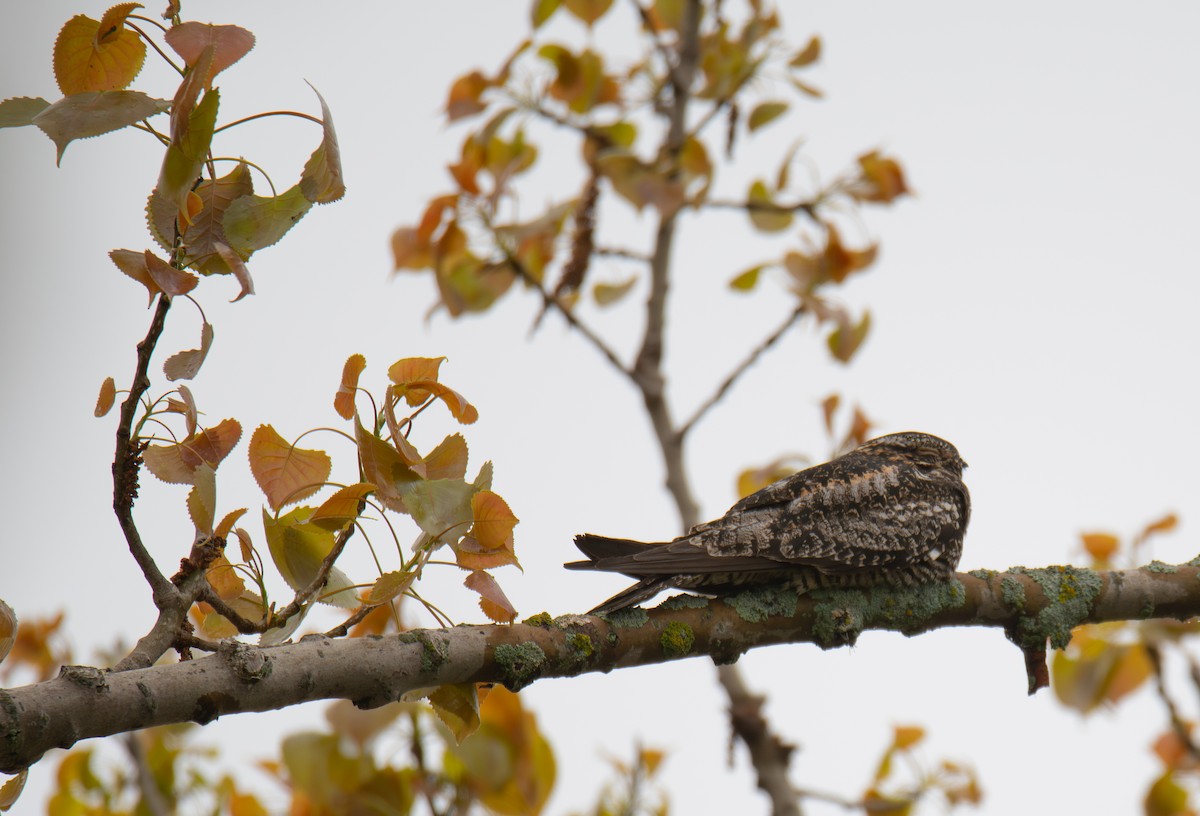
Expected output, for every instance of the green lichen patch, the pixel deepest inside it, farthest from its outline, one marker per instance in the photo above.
(1160, 567)
(520, 663)
(983, 574)
(1013, 592)
(581, 645)
(685, 602)
(1069, 593)
(434, 651)
(631, 617)
(540, 619)
(1195, 562)
(758, 604)
(677, 639)
(842, 614)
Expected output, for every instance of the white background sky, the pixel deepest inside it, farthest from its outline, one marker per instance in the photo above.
(1035, 304)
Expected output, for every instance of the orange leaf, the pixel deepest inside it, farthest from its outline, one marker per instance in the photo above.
(108, 395)
(464, 99)
(882, 180)
(98, 55)
(224, 579)
(177, 463)
(494, 521)
(229, 43)
(238, 267)
(906, 736)
(1162, 525)
(343, 400)
(411, 369)
(1100, 546)
(342, 507)
(383, 467)
(460, 409)
(448, 460)
(807, 55)
(226, 526)
(168, 279)
(471, 556)
(458, 707)
(492, 599)
(286, 473)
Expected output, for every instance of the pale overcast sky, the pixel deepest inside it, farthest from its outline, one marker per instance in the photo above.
(1034, 304)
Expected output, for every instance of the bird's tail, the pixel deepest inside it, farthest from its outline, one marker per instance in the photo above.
(600, 549)
(643, 590)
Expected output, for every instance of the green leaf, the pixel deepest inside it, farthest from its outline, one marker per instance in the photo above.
(441, 507)
(762, 209)
(321, 182)
(765, 113)
(747, 280)
(21, 110)
(845, 340)
(298, 547)
(256, 222)
(542, 10)
(458, 707)
(91, 113)
(185, 155)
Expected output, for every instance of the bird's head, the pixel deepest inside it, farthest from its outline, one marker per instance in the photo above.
(925, 451)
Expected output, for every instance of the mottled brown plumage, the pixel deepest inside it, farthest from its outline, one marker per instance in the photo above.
(892, 511)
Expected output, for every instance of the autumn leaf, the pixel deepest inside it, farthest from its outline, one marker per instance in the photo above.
(92, 113)
(223, 529)
(98, 55)
(108, 395)
(8, 629)
(383, 467)
(492, 600)
(240, 272)
(765, 214)
(807, 55)
(177, 463)
(465, 96)
(588, 12)
(469, 554)
(460, 409)
(881, 180)
(190, 140)
(409, 369)
(343, 400)
(457, 706)
(285, 472)
(388, 586)
(20, 111)
(206, 233)
(906, 736)
(254, 222)
(440, 507)
(764, 113)
(342, 507)
(747, 280)
(185, 365)
(1100, 546)
(298, 548)
(448, 460)
(202, 498)
(845, 340)
(494, 521)
(321, 182)
(224, 579)
(607, 294)
(229, 44)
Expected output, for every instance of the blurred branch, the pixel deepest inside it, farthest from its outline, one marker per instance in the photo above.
(1179, 725)
(741, 369)
(82, 703)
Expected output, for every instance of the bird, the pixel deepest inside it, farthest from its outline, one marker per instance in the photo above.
(892, 511)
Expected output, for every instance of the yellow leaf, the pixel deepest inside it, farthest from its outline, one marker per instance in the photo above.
(745, 281)
(10, 791)
(298, 548)
(765, 214)
(607, 294)
(98, 55)
(286, 473)
(807, 55)
(448, 460)
(764, 113)
(202, 498)
(108, 395)
(343, 400)
(458, 707)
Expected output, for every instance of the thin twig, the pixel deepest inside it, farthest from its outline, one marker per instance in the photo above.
(127, 461)
(809, 208)
(1180, 726)
(741, 369)
(622, 253)
(153, 800)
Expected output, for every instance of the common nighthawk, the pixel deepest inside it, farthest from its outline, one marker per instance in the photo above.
(892, 511)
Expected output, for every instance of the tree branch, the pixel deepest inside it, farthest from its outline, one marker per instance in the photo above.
(128, 457)
(744, 366)
(1031, 606)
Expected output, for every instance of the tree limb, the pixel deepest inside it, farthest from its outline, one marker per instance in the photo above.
(1031, 606)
